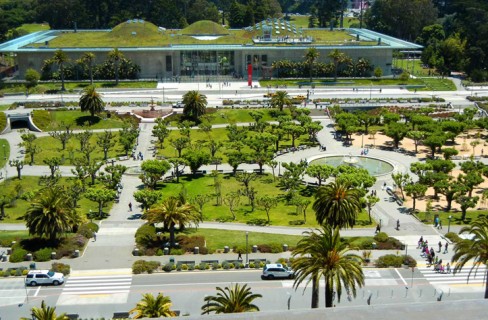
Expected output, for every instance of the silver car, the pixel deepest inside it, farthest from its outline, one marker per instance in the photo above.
(276, 271)
(35, 277)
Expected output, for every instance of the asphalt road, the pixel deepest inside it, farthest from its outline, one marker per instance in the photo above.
(102, 295)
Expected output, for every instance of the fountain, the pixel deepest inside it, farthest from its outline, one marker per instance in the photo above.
(375, 167)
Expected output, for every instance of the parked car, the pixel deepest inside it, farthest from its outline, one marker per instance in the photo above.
(276, 271)
(179, 104)
(35, 277)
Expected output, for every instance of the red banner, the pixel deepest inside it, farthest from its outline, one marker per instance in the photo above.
(249, 75)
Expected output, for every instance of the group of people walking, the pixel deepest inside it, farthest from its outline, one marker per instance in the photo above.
(432, 258)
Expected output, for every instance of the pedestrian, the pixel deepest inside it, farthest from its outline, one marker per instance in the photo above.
(440, 247)
(439, 226)
(432, 252)
(421, 242)
(378, 229)
(94, 236)
(445, 247)
(239, 257)
(130, 206)
(448, 268)
(398, 224)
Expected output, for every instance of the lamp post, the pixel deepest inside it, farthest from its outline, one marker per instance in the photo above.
(380, 224)
(370, 89)
(247, 249)
(362, 140)
(4, 152)
(449, 224)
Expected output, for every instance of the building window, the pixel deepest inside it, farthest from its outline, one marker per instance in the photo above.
(169, 64)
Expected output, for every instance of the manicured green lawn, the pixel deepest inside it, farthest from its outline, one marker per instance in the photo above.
(455, 220)
(217, 134)
(302, 21)
(6, 237)
(283, 214)
(51, 147)
(34, 27)
(4, 107)
(413, 66)
(43, 87)
(4, 152)
(16, 211)
(217, 239)
(53, 120)
(437, 84)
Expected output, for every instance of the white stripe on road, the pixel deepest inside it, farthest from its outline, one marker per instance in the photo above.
(404, 282)
(68, 285)
(97, 281)
(95, 288)
(37, 291)
(96, 292)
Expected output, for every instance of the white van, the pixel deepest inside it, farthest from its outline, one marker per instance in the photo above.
(35, 277)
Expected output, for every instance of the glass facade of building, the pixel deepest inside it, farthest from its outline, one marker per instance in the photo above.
(207, 63)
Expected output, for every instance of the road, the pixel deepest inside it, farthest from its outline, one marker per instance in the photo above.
(100, 295)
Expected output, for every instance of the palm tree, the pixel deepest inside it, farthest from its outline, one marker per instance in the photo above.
(337, 204)
(474, 249)
(235, 299)
(195, 105)
(310, 57)
(280, 99)
(45, 313)
(116, 56)
(153, 307)
(60, 58)
(87, 58)
(51, 213)
(337, 57)
(91, 101)
(321, 254)
(172, 212)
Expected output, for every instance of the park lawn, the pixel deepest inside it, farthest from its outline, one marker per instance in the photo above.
(51, 147)
(302, 21)
(4, 151)
(218, 239)
(4, 107)
(34, 27)
(217, 134)
(437, 84)
(283, 215)
(349, 82)
(53, 86)
(417, 69)
(15, 213)
(6, 237)
(428, 218)
(53, 120)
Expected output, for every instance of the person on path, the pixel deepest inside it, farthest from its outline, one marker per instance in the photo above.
(239, 257)
(448, 268)
(432, 252)
(94, 236)
(398, 224)
(440, 247)
(378, 229)
(445, 247)
(420, 243)
(130, 207)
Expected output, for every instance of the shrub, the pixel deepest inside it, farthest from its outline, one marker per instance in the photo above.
(454, 237)
(225, 266)
(43, 254)
(177, 252)
(24, 272)
(18, 255)
(192, 267)
(189, 243)
(203, 266)
(2, 273)
(391, 260)
(159, 252)
(184, 267)
(168, 267)
(241, 250)
(231, 266)
(215, 266)
(88, 229)
(261, 264)
(178, 267)
(141, 266)
(6, 274)
(203, 250)
(252, 265)
(381, 237)
(145, 234)
(138, 267)
(65, 269)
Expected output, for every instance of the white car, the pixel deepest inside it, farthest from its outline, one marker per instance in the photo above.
(179, 104)
(35, 277)
(277, 271)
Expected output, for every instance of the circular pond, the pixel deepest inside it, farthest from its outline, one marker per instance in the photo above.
(375, 167)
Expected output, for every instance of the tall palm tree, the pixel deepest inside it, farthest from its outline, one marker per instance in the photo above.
(91, 101)
(337, 58)
(235, 299)
(153, 307)
(172, 212)
(280, 99)
(87, 58)
(337, 204)
(311, 57)
(195, 104)
(60, 58)
(116, 56)
(474, 249)
(45, 313)
(51, 213)
(321, 254)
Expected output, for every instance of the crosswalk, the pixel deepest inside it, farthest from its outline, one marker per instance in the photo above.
(96, 289)
(476, 277)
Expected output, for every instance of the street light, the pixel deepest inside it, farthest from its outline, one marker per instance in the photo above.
(362, 140)
(247, 249)
(4, 152)
(449, 224)
(380, 223)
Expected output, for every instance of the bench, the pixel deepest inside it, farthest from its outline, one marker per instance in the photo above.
(72, 316)
(121, 315)
(123, 158)
(178, 263)
(210, 261)
(201, 172)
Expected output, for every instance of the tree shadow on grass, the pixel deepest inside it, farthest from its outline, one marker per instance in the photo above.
(81, 121)
(308, 191)
(35, 244)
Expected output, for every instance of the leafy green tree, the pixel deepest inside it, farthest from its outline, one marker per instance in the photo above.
(196, 158)
(235, 133)
(311, 57)
(294, 131)
(19, 165)
(471, 180)
(106, 141)
(280, 99)
(62, 136)
(434, 141)
(370, 203)
(115, 56)
(178, 165)
(415, 190)
(200, 200)
(147, 198)
(337, 205)
(378, 72)
(84, 138)
(449, 153)
(473, 251)
(234, 299)
(45, 313)
(451, 189)
(51, 214)
(267, 203)
(321, 172)
(127, 138)
(91, 101)
(466, 202)
(179, 144)
(112, 176)
(232, 200)
(60, 58)
(5, 200)
(337, 58)
(32, 78)
(53, 164)
(153, 307)
(172, 212)
(185, 128)
(401, 180)
(397, 131)
(153, 171)
(100, 195)
(235, 158)
(87, 59)
(213, 146)
(321, 254)
(417, 137)
(160, 131)
(195, 105)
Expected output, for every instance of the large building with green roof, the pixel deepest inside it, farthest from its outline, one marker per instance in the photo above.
(205, 49)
